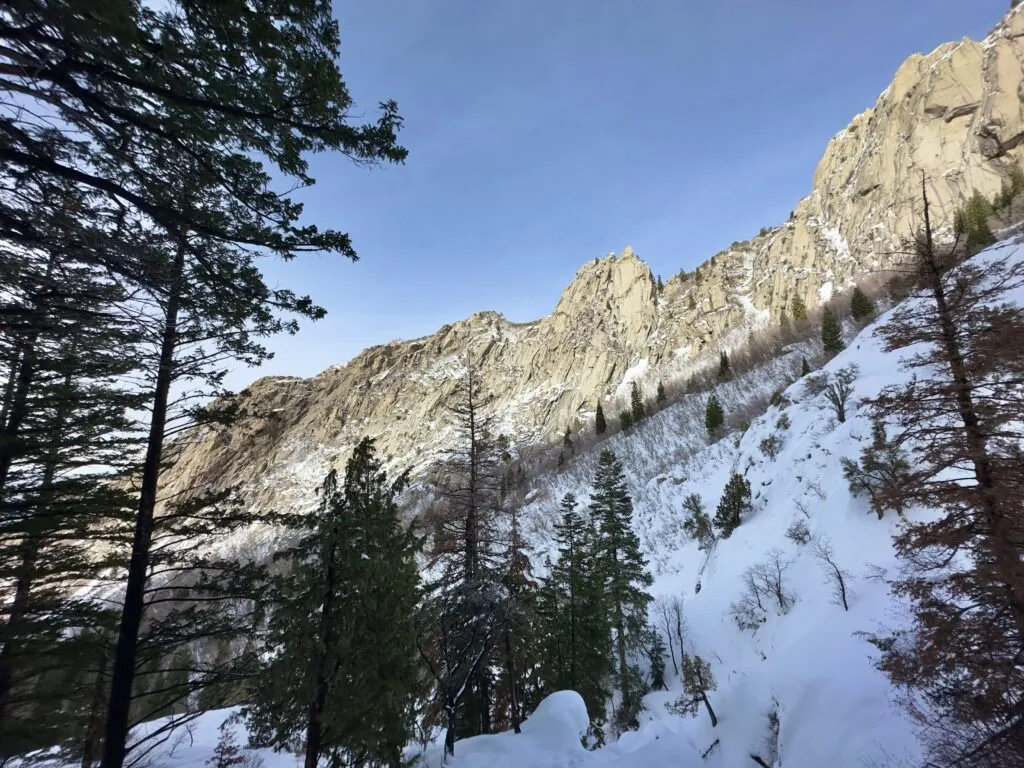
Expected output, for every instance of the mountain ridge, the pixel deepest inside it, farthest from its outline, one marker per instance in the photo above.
(954, 116)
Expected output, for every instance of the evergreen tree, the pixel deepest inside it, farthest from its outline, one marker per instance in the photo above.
(831, 332)
(636, 404)
(344, 669)
(698, 681)
(861, 307)
(600, 425)
(799, 309)
(734, 504)
(714, 417)
(881, 473)
(961, 410)
(626, 421)
(624, 568)
(724, 370)
(697, 524)
(971, 223)
(805, 368)
(575, 617)
(226, 754)
(660, 285)
(660, 397)
(461, 618)
(656, 659)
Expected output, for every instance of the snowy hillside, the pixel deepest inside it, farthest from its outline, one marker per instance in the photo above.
(811, 667)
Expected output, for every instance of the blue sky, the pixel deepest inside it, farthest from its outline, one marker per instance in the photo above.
(543, 133)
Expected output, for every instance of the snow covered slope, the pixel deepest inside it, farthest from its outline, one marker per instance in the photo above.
(812, 666)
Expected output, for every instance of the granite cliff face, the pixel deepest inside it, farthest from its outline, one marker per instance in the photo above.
(956, 115)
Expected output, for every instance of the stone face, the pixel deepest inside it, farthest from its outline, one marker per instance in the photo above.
(956, 116)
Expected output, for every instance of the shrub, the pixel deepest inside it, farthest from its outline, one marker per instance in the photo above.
(783, 422)
(798, 532)
(771, 446)
(881, 474)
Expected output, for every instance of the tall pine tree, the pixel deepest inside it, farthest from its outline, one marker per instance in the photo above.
(626, 577)
(342, 638)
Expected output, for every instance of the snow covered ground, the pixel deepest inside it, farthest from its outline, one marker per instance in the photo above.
(812, 667)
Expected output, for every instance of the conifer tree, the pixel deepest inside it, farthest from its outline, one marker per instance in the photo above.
(698, 681)
(626, 421)
(575, 617)
(461, 618)
(344, 670)
(660, 284)
(962, 411)
(831, 332)
(861, 307)
(724, 370)
(805, 368)
(636, 404)
(734, 504)
(626, 577)
(714, 417)
(971, 223)
(697, 524)
(799, 309)
(660, 397)
(656, 659)
(600, 425)
(881, 473)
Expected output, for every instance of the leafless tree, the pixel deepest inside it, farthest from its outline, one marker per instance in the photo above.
(838, 578)
(669, 611)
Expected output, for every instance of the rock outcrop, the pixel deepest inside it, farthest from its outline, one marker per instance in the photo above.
(955, 115)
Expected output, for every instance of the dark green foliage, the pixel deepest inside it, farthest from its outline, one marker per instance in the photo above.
(971, 223)
(660, 397)
(600, 425)
(574, 617)
(636, 404)
(831, 332)
(861, 307)
(626, 577)
(735, 503)
(881, 474)
(771, 446)
(656, 659)
(626, 421)
(799, 309)
(697, 524)
(714, 417)
(344, 671)
(660, 285)
(838, 388)
(805, 367)
(698, 682)
(724, 371)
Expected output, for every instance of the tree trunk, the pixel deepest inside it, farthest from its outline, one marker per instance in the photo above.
(119, 705)
(449, 736)
(92, 733)
(1000, 543)
(711, 712)
(30, 554)
(513, 684)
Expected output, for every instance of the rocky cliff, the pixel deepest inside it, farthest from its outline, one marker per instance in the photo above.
(955, 115)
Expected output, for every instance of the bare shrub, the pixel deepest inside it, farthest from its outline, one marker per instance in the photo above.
(771, 446)
(764, 584)
(669, 613)
(798, 532)
(838, 578)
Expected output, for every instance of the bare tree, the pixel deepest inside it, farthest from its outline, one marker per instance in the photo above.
(838, 578)
(669, 611)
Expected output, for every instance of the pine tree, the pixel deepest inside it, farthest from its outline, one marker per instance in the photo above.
(861, 307)
(724, 370)
(625, 570)
(600, 425)
(626, 421)
(660, 397)
(805, 368)
(698, 682)
(460, 621)
(799, 309)
(575, 617)
(344, 673)
(226, 754)
(714, 417)
(660, 285)
(656, 659)
(881, 474)
(831, 332)
(963, 664)
(971, 223)
(636, 404)
(697, 524)
(735, 503)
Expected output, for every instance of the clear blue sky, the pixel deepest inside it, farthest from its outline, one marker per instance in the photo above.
(543, 133)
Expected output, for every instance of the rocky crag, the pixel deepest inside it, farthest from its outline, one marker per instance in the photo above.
(955, 115)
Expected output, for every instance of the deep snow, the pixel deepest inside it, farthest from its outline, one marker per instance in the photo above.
(813, 665)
